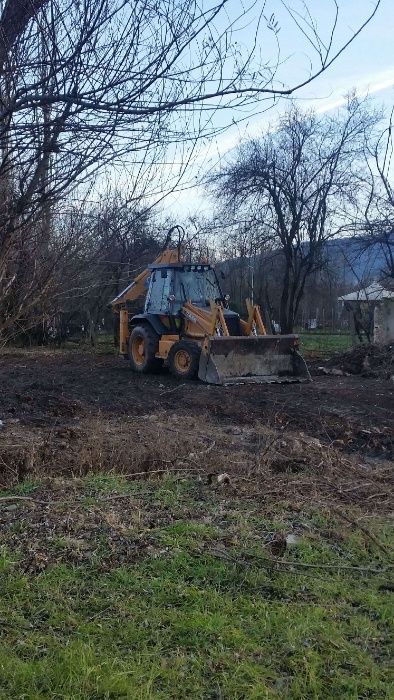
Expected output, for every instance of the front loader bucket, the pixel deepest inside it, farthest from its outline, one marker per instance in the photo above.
(252, 359)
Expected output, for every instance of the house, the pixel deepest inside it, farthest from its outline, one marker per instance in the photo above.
(372, 310)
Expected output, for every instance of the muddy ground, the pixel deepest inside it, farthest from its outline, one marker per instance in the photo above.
(69, 412)
(45, 389)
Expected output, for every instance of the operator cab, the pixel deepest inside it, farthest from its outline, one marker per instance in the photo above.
(170, 286)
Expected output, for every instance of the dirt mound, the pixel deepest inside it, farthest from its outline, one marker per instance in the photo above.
(368, 360)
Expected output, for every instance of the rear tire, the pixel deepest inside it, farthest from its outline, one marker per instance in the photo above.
(143, 346)
(184, 359)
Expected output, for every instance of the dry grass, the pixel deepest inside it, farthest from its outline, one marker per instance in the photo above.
(259, 460)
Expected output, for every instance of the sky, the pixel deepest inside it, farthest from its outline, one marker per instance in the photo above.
(366, 66)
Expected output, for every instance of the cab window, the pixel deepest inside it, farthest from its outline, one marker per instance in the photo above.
(159, 291)
(197, 285)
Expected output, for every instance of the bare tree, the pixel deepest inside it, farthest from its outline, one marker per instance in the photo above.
(87, 85)
(376, 229)
(119, 241)
(298, 187)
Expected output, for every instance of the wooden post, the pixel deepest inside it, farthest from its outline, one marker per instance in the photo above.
(123, 331)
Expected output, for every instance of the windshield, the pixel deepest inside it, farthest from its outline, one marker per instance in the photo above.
(196, 285)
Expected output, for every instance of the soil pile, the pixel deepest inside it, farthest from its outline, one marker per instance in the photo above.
(368, 360)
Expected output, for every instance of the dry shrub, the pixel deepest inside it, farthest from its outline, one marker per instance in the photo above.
(259, 459)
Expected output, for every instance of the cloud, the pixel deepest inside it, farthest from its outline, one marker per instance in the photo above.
(210, 154)
(371, 85)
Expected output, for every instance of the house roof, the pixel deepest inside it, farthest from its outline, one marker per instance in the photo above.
(374, 292)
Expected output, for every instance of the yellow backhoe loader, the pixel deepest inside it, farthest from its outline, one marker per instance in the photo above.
(187, 325)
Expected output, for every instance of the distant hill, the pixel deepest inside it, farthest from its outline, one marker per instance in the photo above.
(352, 263)
(346, 258)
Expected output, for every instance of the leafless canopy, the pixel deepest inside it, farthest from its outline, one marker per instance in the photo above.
(377, 225)
(297, 187)
(88, 83)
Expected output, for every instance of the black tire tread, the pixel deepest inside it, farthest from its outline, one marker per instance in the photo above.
(195, 352)
(152, 363)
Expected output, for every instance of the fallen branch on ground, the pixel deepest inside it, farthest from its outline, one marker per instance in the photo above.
(274, 562)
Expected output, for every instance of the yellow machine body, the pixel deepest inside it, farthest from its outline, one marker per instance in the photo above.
(198, 340)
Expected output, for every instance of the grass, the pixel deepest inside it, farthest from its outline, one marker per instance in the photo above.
(186, 621)
(312, 341)
(104, 345)
(325, 342)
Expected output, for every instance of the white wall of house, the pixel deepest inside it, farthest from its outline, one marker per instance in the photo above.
(384, 321)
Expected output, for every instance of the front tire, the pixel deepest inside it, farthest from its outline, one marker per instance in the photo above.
(143, 346)
(183, 359)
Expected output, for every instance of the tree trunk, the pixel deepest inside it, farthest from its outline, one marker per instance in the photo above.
(91, 328)
(284, 316)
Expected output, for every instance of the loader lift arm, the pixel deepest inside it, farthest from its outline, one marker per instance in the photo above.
(214, 320)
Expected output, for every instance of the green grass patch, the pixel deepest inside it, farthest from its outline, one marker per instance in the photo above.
(103, 345)
(325, 342)
(202, 617)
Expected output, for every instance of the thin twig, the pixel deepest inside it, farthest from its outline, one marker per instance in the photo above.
(170, 391)
(165, 471)
(281, 562)
(378, 495)
(363, 529)
(25, 498)
(120, 495)
(355, 488)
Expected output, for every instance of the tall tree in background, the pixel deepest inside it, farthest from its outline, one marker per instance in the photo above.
(298, 187)
(378, 227)
(91, 84)
(116, 241)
